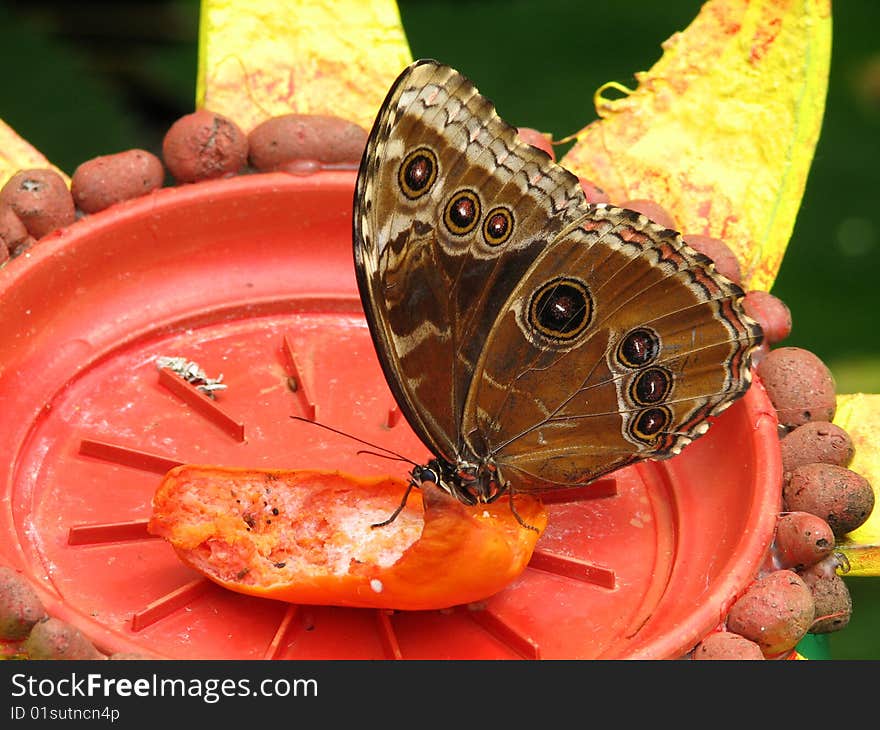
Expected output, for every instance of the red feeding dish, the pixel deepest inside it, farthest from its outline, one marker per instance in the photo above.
(252, 278)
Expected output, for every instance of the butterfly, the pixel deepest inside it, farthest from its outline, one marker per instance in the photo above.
(532, 340)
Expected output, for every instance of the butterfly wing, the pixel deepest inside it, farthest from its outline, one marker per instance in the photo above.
(616, 345)
(450, 211)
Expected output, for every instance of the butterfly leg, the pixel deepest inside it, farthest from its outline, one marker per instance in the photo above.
(509, 490)
(516, 514)
(399, 507)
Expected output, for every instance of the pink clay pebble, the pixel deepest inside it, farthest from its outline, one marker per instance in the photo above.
(840, 496)
(537, 139)
(40, 199)
(12, 230)
(53, 638)
(802, 539)
(20, 607)
(800, 386)
(592, 192)
(204, 145)
(102, 181)
(725, 260)
(652, 210)
(771, 313)
(290, 138)
(775, 612)
(725, 645)
(816, 442)
(831, 596)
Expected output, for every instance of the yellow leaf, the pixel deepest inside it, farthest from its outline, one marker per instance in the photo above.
(270, 57)
(859, 415)
(17, 154)
(722, 130)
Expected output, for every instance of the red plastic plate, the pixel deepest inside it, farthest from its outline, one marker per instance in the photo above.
(252, 277)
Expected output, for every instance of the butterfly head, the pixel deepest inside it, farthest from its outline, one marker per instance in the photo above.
(468, 482)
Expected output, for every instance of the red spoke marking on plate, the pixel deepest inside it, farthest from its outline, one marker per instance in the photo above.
(98, 533)
(127, 457)
(594, 490)
(523, 645)
(201, 403)
(299, 381)
(387, 635)
(274, 648)
(393, 417)
(169, 603)
(573, 568)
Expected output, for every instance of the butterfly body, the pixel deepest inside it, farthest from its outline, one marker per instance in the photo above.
(532, 340)
(469, 482)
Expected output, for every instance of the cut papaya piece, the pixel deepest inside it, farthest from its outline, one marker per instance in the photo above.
(306, 536)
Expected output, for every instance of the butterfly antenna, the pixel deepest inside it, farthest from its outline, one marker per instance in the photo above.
(388, 452)
(391, 457)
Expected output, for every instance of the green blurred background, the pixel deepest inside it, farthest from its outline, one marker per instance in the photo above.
(90, 78)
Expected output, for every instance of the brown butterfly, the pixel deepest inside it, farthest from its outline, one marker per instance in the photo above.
(532, 340)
